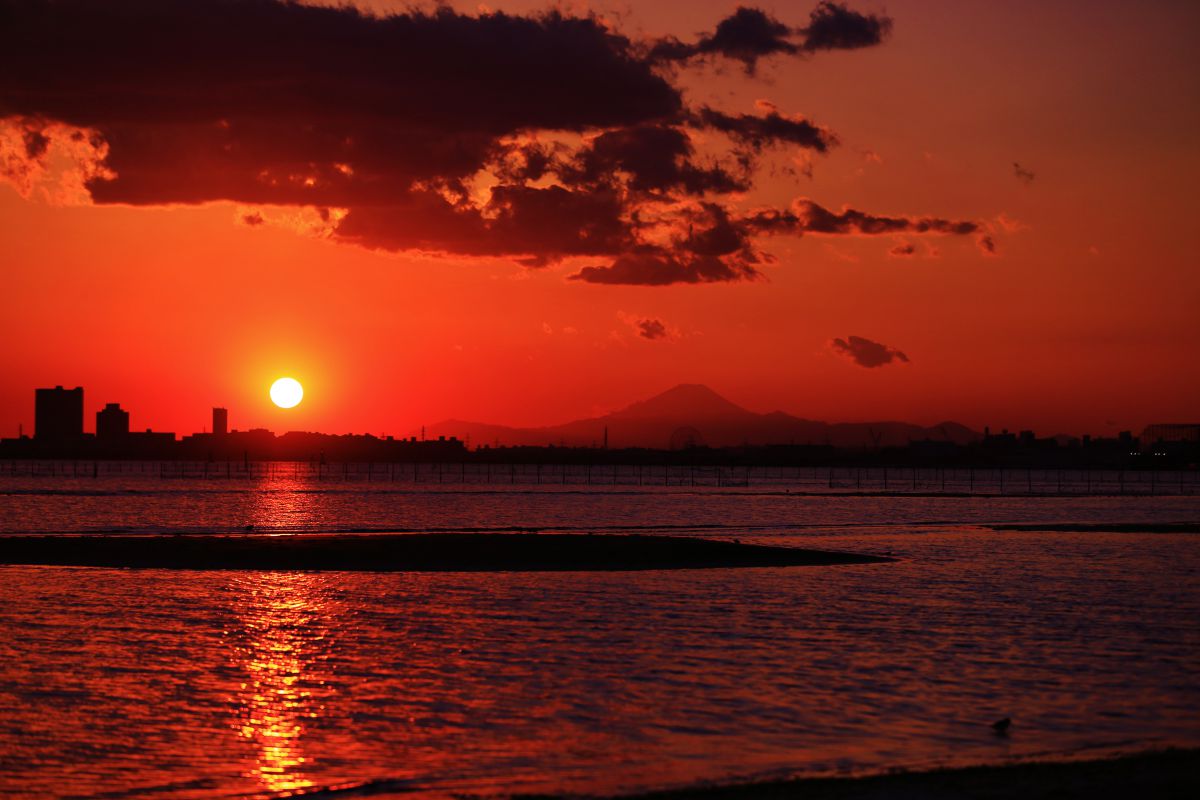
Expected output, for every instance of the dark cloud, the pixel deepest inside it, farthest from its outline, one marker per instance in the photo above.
(750, 34)
(535, 138)
(747, 35)
(903, 250)
(657, 158)
(656, 267)
(867, 353)
(987, 245)
(547, 223)
(529, 161)
(258, 101)
(36, 143)
(832, 26)
(806, 216)
(715, 245)
(712, 232)
(770, 129)
(816, 219)
(652, 329)
(1025, 176)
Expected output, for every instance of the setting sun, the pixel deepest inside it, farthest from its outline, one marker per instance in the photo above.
(287, 392)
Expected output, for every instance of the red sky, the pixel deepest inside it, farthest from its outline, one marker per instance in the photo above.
(1084, 320)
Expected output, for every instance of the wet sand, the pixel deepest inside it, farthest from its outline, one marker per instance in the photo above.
(419, 552)
(1159, 775)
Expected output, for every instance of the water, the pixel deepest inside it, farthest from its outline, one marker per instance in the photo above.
(117, 683)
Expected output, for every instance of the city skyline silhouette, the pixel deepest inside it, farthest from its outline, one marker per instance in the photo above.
(666, 423)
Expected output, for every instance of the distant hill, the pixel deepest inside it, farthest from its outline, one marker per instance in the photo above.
(695, 413)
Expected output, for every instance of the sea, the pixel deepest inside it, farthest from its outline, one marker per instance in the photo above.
(147, 683)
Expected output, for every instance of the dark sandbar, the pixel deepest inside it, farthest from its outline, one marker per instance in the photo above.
(418, 552)
(1163, 774)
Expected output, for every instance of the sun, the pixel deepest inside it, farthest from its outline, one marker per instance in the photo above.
(287, 392)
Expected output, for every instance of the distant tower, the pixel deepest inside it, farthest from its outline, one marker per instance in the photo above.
(112, 422)
(220, 421)
(58, 413)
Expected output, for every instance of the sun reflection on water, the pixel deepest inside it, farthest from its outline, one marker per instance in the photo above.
(285, 503)
(282, 648)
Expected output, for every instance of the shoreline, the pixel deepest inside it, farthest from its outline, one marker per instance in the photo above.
(1168, 773)
(411, 552)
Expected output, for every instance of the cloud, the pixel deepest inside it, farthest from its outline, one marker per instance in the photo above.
(51, 161)
(903, 250)
(1025, 176)
(652, 329)
(651, 267)
(807, 216)
(747, 35)
(535, 138)
(770, 129)
(657, 158)
(987, 245)
(832, 26)
(867, 353)
(1009, 224)
(750, 34)
(258, 101)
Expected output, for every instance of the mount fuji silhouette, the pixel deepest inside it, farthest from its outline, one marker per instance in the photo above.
(704, 417)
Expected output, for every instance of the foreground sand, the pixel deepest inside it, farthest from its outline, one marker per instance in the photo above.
(382, 552)
(1146, 776)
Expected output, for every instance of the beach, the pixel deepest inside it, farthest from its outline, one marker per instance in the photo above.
(1162, 775)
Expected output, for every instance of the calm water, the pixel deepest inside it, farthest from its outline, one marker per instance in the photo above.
(119, 683)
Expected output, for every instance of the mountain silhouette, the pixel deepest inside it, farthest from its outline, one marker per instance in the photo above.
(687, 401)
(695, 413)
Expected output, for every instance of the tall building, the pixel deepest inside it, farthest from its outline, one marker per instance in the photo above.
(58, 414)
(220, 421)
(112, 422)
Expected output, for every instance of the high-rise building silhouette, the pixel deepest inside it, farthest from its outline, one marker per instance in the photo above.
(220, 425)
(112, 422)
(58, 414)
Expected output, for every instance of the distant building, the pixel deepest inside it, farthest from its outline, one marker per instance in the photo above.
(149, 444)
(220, 425)
(58, 414)
(112, 422)
(1171, 433)
(1172, 440)
(1001, 439)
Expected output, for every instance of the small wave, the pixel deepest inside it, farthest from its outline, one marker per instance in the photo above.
(371, 788)
(205, 784)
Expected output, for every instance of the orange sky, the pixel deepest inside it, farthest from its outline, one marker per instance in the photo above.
(1085, 321)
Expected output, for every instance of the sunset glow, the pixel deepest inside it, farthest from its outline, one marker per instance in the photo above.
(1011, 219)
